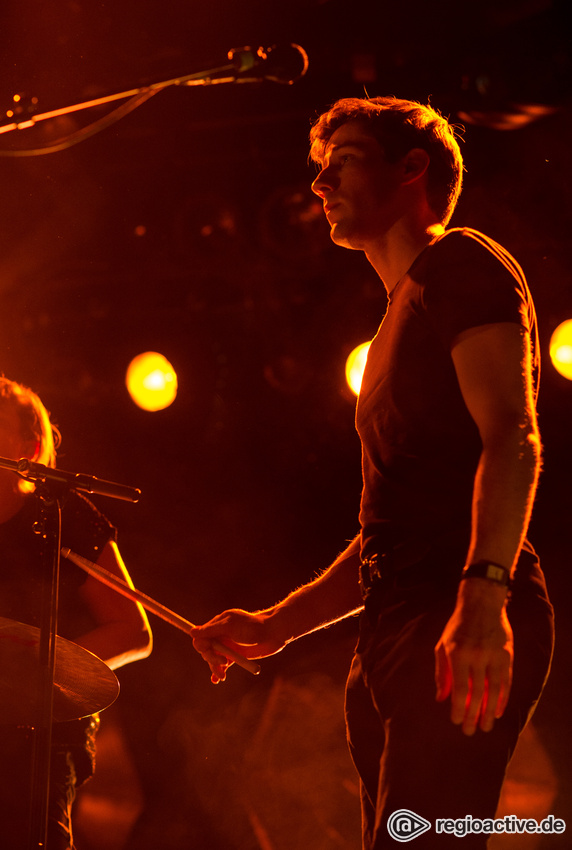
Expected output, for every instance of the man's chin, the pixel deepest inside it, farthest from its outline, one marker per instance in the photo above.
(342, 239)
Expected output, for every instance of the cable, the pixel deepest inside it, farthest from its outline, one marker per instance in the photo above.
(86, 132)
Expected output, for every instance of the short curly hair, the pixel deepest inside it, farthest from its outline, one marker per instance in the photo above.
(399, 126)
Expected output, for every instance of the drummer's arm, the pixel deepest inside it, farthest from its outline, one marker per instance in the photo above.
(122, 633)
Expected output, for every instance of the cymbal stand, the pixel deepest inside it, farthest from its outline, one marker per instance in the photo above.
(49, 527)
(51, 487)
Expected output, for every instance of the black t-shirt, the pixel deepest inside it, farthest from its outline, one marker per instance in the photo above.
(84, 530)
(420, 446)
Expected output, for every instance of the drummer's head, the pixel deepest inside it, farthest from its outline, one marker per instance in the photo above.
(21, 408)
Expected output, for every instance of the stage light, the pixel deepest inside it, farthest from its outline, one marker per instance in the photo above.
(151, 381)
(561, 349)
(355, 364)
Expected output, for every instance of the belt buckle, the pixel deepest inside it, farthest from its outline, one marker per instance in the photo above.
(369, 570)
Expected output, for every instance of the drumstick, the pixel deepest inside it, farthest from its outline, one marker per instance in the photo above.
(155, 607)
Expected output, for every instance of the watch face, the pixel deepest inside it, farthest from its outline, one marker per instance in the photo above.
(484, 569)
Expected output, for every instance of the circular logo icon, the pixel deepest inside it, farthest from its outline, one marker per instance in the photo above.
(404, 825)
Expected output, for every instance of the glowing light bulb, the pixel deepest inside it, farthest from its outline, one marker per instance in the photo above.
(561, 349)
(355, 364)
(151, 381)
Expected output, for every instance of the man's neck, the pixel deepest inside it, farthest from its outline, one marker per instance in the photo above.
(398, 249)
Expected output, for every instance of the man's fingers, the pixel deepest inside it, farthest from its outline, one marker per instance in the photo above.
(475, 703)
(477, 653)
(217, 662)
(218, 665)
(442, 673)
(460, 689)
(503, 698)
(478, 696)
(467, 693)
(497, 698)
(218, 674)
(491, 700)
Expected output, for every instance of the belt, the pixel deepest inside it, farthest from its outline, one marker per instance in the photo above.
(368, 574)
(415, 560)
(395, 566)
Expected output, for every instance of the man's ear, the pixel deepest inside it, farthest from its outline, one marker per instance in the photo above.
(415, 164)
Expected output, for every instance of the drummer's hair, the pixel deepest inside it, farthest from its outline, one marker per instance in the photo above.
(35, 424)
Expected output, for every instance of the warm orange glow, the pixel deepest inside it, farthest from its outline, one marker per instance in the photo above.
(355, 364)
(561, 349)
(151, 381)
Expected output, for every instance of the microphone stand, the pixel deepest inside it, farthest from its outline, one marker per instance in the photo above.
(51, 487)
(246, 66)
(48, 526)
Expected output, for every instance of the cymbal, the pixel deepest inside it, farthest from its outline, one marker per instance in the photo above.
(83, 683)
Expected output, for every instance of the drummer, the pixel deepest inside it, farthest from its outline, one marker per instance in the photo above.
(90, 614)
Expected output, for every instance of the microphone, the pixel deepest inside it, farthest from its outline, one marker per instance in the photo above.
(284, 63)
(74, 480)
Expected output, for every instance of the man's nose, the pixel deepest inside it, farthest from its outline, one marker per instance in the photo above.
(323, 183)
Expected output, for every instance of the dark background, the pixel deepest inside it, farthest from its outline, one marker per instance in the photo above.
(188, 227)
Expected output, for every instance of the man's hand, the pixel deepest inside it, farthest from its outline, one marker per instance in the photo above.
(251, 635)
(474, 656)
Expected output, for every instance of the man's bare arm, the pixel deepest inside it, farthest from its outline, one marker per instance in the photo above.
(474, 655)
(330, 597)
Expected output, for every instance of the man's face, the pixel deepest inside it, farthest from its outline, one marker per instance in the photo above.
(12, 447)
(358, 186)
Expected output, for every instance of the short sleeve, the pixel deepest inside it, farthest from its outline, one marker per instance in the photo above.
(470, 281)
(85, 530)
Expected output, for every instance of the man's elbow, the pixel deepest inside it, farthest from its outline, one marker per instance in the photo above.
(531, 444)
(513, 436)
(139, 641)
(145, 647)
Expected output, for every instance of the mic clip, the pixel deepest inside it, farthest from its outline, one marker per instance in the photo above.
(283, 64)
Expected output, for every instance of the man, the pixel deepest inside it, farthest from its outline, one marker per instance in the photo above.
(451, 590)
(90, 614)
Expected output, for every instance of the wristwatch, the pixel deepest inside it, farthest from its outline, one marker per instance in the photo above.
(487, 569)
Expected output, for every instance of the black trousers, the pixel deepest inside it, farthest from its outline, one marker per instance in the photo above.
(406, 750)
(71, 763)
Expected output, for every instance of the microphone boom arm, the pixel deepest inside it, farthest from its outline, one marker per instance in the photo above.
(243, 61)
